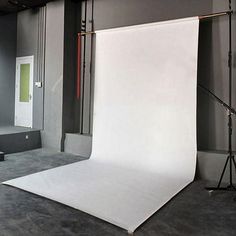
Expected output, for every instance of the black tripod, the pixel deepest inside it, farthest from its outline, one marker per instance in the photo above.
(230, 159)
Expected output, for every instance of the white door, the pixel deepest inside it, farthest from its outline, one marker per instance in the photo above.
(24, 91)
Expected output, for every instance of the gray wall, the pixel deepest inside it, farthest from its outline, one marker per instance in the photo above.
(60, 67)
(48, 101)
(70, 103)
(7, 68)
(54, 54)
(213, 74)
(28, 45)
(112, 13)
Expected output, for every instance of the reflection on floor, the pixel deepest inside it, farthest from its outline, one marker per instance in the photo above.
(192, 212)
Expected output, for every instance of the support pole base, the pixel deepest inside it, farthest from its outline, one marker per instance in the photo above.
(228, 188)
(2, 156)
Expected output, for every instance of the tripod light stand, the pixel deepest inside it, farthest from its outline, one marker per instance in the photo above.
(230, 158)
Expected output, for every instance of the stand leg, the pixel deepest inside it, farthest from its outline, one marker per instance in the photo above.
(2, 156)
(223, 172)
(221, 177)
(230, 187)
(234, 162)
(230, 171)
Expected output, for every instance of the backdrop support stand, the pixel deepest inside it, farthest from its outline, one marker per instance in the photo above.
(83, 29)
(2, 156)
(230, 159)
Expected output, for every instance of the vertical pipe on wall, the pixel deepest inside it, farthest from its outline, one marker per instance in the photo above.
(40, 66)
(43, 56)
(78, 87)
(38, 50)
(82, 84)
(230, 91)
(91, 75)
(40, 43)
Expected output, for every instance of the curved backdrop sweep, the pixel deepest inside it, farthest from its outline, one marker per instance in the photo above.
(144, 128)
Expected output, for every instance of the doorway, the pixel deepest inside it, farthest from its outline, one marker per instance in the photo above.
(24, 92)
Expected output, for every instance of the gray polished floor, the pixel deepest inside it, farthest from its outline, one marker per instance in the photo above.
(193, 212)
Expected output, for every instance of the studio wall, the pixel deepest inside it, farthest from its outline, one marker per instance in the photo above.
(47, 107)
(61, 109)
(70, 121)
(28, 33)
(54, 56)
(54, 103)
(7, 68)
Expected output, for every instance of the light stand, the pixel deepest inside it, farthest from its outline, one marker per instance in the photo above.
(230, 159)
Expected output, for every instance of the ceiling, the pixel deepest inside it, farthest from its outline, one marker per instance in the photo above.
(10, 6)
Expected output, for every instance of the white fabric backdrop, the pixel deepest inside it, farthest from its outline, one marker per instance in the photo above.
(144, 135)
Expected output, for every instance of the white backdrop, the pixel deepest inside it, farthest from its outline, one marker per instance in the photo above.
(144, 134)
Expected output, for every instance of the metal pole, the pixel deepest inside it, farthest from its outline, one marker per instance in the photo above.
(86, 33)
(84, 71)
(230, 125)
(226, 106)
(215, 15)
(203, 17)
(230, 158)
(91, 75)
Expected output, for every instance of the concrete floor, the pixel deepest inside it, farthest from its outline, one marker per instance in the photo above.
(193, 212)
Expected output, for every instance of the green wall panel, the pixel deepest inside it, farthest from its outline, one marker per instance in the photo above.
(24, 82)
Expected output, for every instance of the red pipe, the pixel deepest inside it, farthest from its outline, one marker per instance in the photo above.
(78, 88)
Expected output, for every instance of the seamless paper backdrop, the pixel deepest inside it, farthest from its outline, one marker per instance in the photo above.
(144, 129)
